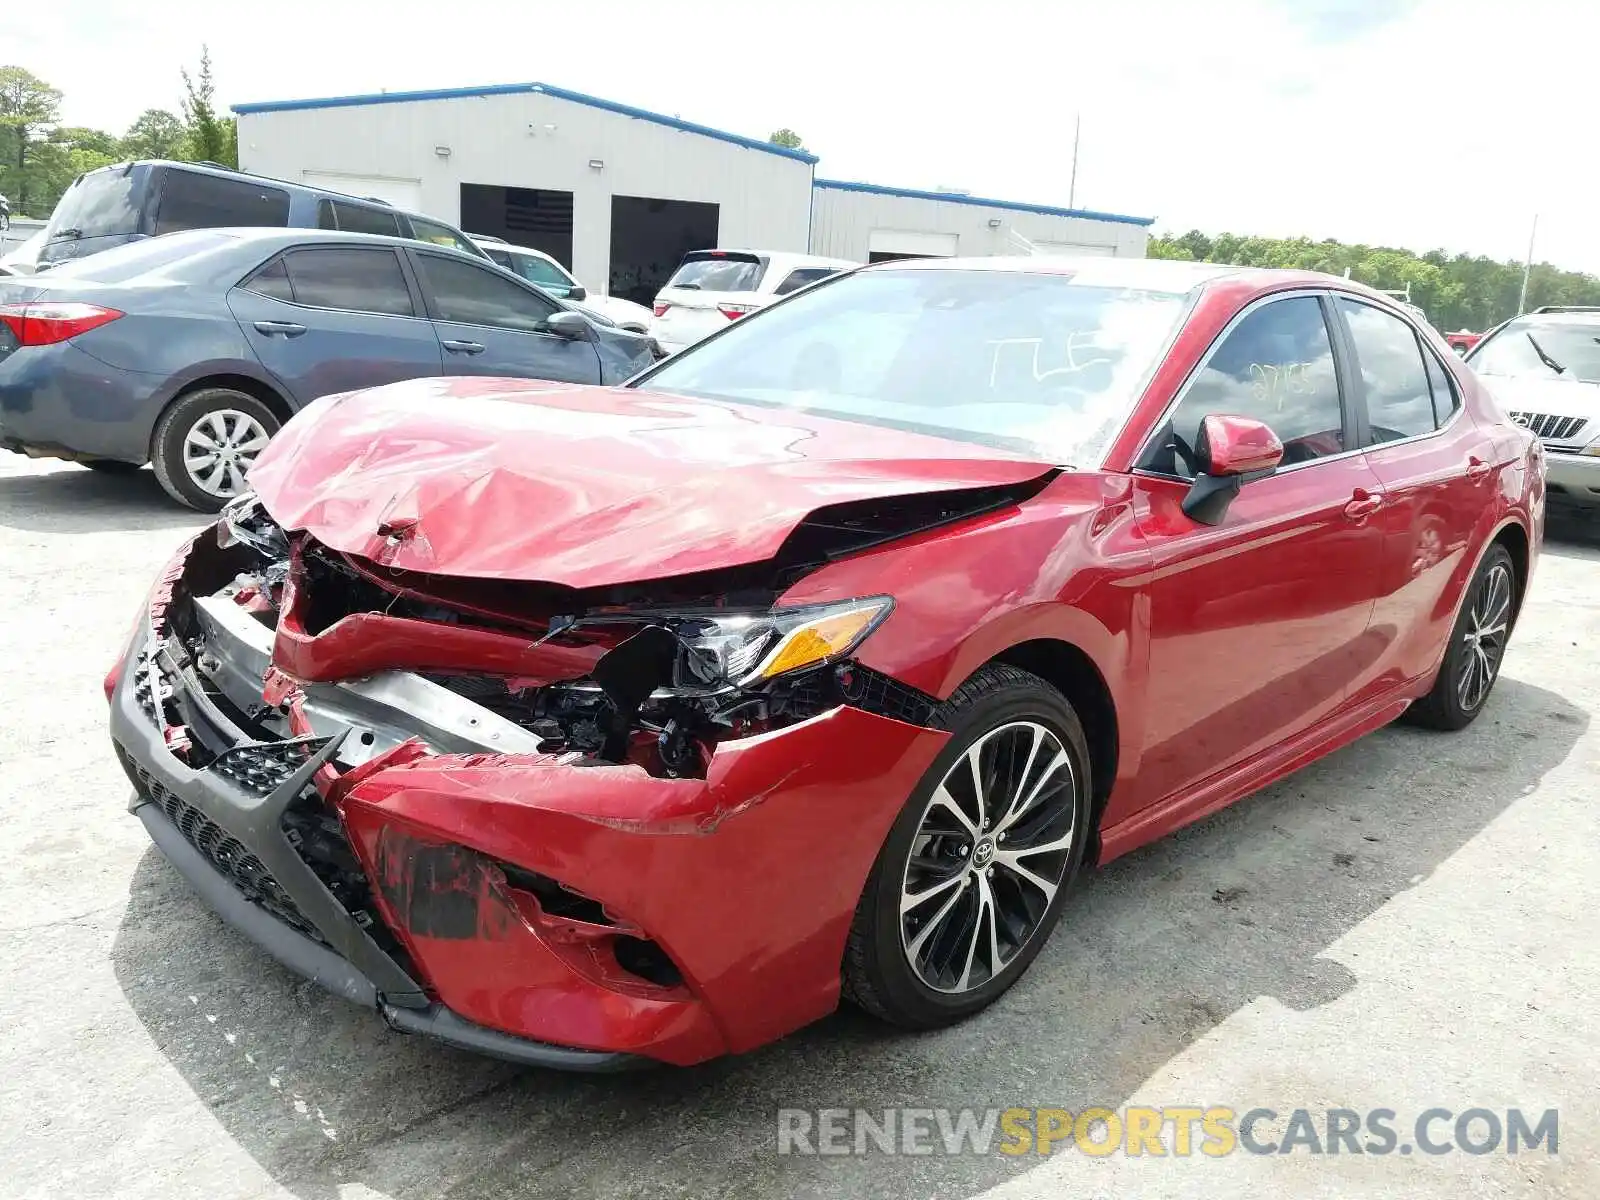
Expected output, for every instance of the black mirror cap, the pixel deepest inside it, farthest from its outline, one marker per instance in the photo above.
(577, 292)
(573, 326)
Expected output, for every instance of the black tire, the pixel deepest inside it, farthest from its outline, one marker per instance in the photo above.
(112, 466)
(878, 974)
(186, 414)
(1455, 702)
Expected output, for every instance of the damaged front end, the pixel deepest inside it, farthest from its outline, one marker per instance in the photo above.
(565, 827)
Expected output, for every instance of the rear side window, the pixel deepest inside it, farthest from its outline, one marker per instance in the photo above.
(1445, 397)
(353, 278)
(719, 273)
(799, 278)
(356, 218)
(1390, 359)
(190, 200)
(1276, 366)
(472, 295)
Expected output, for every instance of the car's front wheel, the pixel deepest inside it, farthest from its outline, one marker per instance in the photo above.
(205, 444)
(972, 877)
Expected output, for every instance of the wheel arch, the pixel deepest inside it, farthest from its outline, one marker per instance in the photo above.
(1072, 672)
(255, 388)
(1515, 539)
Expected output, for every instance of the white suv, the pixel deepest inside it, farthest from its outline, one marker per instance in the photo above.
(712, 287)
(544, 272)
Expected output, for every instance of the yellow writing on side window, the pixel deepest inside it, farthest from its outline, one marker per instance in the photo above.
(1272, 383)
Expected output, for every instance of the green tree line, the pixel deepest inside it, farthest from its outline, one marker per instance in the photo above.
(1457, 291)
(40, 157)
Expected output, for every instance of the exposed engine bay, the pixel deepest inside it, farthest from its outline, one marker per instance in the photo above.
(292, 638)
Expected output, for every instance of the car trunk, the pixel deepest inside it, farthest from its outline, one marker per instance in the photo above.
(709, 289)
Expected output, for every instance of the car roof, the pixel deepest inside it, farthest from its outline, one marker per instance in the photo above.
(1151, 274)
(500, 244)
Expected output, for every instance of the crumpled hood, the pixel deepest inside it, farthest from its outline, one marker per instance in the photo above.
(584, 486)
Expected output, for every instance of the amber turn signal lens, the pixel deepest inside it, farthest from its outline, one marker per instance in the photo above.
(827, 636)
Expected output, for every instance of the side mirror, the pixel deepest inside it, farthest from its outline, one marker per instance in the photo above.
(573, 326)
(1227, 452)
(577, 292)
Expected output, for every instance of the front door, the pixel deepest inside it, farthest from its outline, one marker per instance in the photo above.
(1258, 625)
(490, 324)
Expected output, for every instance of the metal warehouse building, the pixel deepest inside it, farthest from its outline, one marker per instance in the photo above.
(619, 194)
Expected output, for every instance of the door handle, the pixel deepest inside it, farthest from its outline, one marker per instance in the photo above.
(1477, 467)
(1362, 505)
(287, 328)
(463, 347)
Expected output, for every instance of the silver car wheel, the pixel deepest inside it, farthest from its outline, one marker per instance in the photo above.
(1488, 621)
(220, 448)
(988, 856)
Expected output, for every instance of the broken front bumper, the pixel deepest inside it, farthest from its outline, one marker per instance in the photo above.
(740, 886)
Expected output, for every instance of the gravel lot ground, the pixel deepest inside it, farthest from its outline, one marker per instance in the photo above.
(1410, 923)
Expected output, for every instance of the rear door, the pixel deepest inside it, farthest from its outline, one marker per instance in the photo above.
(333, 318)
(709, 289)
(1438, 472)
(490, 324)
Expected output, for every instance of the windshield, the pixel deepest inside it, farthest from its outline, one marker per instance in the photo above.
(1020, 361)
(100, 204)
(1542, 349)
(719, 273)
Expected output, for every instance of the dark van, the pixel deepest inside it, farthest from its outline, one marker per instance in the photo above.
(128, 201)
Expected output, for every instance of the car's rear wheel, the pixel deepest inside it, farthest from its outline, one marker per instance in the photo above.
(972, 877)
(1477, 647)
(205, 444)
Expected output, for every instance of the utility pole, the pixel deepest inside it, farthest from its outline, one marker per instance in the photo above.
(1527, 267)
(1072, 188)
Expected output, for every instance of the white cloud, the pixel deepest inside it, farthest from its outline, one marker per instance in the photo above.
(1440, 123)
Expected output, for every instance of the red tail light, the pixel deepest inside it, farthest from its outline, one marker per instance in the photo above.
(43, 323)
(660, 308)
(734, 311)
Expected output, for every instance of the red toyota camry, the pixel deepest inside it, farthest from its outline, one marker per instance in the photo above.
(580, 725)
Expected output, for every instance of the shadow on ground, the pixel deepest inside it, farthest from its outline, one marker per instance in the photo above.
(1572, 532)
(78, 500)
(1153, 952)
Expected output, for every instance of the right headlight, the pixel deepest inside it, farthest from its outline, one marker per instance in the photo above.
(742, 649)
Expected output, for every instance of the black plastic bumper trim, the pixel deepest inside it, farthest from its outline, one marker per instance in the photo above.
(294, 950)
(442, 1025)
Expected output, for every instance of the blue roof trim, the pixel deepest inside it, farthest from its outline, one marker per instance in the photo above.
(875, 189)
(543, 89)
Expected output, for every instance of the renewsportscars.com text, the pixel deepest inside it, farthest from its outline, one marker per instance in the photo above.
(1176, 1130)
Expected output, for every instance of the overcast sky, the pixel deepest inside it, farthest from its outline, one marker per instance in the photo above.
(1419, 123)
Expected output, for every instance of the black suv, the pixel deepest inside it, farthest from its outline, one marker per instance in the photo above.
(128, 201)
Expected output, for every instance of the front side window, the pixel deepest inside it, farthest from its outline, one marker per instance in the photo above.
(798, 278)
(356, 278)
(193, 200)
(1038, 363)
(1540, 347)
(473, 295)
(1275, 366)
(1393, 373)
(542, 272)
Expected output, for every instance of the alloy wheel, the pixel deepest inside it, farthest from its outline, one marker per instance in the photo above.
(220, 448)
(988, 856)
(1484, 639)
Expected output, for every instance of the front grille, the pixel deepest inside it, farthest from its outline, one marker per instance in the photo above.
(1548, 425)
(223, 851)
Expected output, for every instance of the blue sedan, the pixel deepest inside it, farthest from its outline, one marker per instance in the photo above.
(189, 351)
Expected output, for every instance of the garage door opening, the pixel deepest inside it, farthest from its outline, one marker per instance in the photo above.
(533, 217)
(649, 237)
(889, 245)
